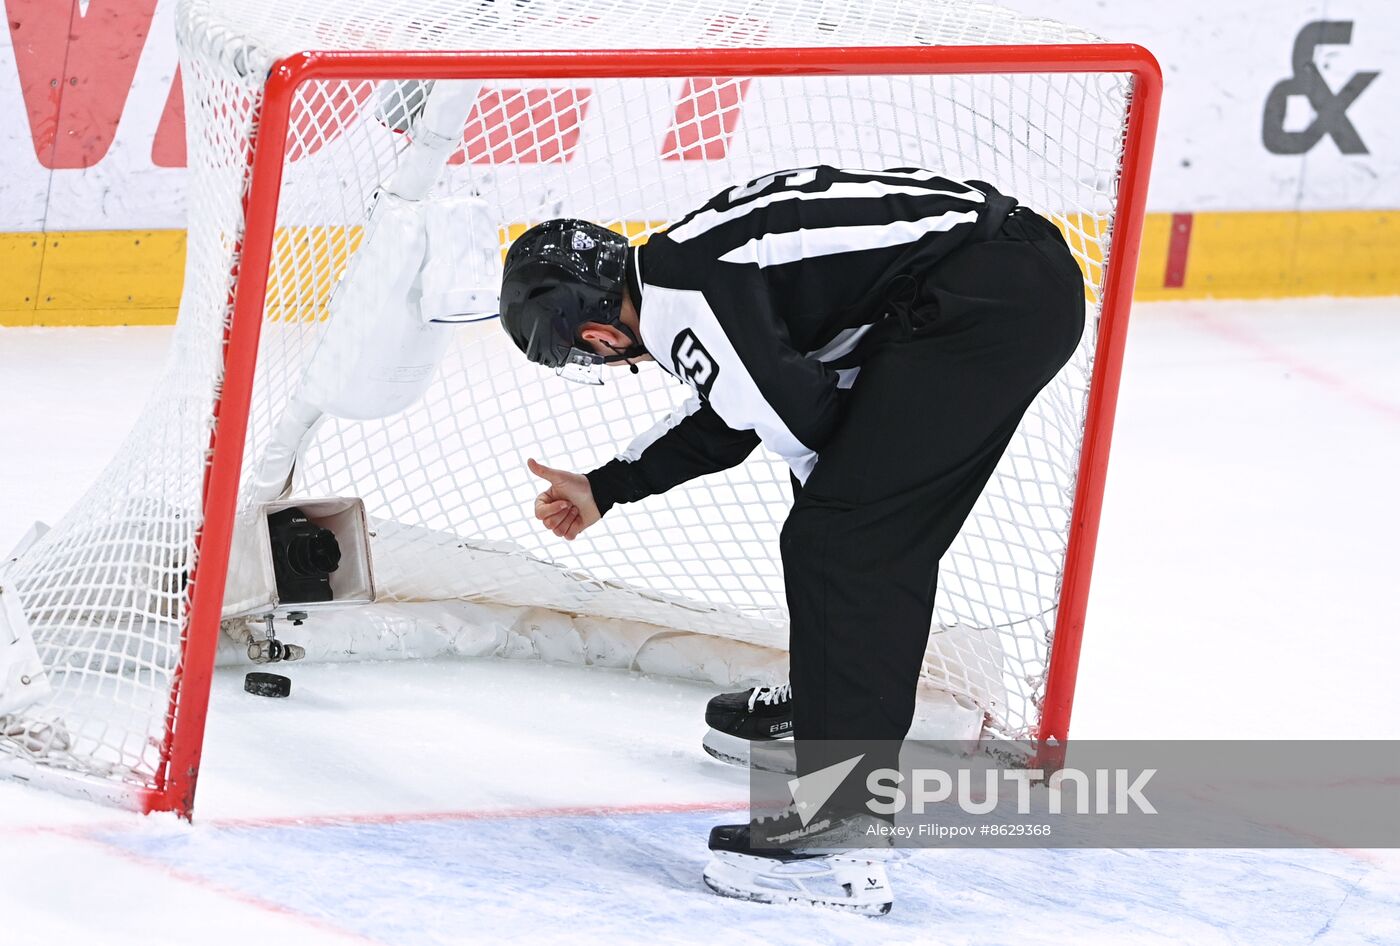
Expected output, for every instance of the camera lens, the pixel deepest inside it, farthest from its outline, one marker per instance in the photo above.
(303, 557)
(313, 553)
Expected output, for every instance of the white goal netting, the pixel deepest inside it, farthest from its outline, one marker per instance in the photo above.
(444, 482)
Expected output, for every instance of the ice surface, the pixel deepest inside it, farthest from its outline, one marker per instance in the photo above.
(1242, 588)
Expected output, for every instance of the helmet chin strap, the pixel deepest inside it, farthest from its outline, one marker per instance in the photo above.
(635, 350)
(627, 356)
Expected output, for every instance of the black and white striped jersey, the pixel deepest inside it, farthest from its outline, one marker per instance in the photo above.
(759, 300)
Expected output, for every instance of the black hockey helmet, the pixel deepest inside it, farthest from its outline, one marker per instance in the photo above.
(559, 275)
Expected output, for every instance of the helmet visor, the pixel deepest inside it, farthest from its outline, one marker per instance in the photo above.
(582, 367)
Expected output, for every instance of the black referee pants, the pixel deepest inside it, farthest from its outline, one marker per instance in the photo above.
(931, 413)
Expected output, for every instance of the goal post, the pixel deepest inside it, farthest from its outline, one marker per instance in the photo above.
(1040, 531)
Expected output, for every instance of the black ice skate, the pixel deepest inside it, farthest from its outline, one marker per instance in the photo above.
(809, 869)
(737, 719)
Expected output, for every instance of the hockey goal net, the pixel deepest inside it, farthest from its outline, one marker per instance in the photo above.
(288, 151)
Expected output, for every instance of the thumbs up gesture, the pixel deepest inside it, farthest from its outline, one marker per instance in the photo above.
(566, 507)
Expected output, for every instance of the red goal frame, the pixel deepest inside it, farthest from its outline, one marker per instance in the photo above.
(177, 777)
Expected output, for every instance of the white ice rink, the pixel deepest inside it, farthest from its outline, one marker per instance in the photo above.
(1244, 587)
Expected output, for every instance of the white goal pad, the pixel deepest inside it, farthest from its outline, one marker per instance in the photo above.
(23, 680)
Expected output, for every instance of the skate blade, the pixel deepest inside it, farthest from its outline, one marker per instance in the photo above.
(734, 893)
(732, 750)
(865, 887)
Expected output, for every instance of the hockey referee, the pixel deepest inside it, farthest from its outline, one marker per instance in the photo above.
(883, 332)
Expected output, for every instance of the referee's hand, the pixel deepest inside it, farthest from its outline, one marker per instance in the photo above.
(566, 507)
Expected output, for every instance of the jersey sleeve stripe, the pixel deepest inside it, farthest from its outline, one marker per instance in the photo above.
(646, 438)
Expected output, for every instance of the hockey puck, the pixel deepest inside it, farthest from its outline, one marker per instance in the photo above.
(267, 684)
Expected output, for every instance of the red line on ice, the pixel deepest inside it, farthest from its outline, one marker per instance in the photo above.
(473, 814)
(1265, 349)
(195, 880)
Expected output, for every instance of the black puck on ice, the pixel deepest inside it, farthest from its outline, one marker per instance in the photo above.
(267, 684)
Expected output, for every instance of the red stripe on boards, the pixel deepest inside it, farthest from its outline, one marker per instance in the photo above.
(1178, 249)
